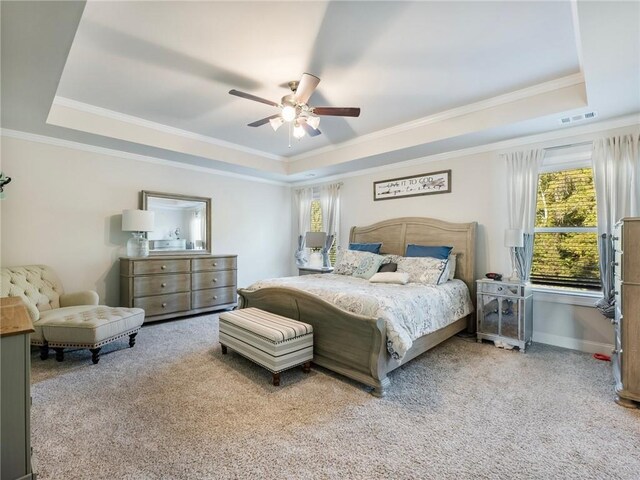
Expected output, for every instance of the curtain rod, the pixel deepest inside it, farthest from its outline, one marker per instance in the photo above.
(579, 144)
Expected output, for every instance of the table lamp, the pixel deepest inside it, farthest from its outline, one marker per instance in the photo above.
(514, 237)
(137, 222)
(315, 240)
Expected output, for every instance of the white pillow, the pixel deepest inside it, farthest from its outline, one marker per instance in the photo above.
(401, 278)
(426, 270)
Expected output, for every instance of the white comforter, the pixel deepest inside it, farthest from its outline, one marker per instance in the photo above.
(410, 311)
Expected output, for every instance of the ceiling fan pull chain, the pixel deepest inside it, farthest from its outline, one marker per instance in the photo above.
(290, 129)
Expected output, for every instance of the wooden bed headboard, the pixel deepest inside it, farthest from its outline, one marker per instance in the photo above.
(396, 233)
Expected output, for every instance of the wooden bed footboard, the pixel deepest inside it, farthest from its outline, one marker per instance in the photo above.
(350, 344)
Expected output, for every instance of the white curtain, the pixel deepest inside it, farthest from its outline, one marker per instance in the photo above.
(330, 206)
(522, 188)
(303, 198)
(616, 174)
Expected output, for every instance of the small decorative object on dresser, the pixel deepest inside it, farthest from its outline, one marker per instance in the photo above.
(626, 355)
(505, 313)
(174, 286)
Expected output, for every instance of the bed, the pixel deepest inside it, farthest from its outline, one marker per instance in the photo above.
(356, 345)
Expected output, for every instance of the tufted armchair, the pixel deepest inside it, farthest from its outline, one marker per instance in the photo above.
(66, 320)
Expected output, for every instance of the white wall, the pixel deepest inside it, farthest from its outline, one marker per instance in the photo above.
(63, 208)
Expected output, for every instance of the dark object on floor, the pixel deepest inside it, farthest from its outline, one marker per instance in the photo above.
(602, 356)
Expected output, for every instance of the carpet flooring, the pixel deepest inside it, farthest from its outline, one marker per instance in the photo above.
(174, 407)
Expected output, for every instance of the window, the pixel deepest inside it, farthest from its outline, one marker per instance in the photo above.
(316, 226)
(565, 251)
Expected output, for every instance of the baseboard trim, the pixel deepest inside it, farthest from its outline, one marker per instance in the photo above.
(572, 343)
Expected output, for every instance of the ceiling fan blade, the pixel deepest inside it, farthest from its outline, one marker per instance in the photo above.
(248, 96)
(262, 121)
(312, 132)
(337, 111)
(306, 87)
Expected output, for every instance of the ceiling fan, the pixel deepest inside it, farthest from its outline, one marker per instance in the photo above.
(294, 109)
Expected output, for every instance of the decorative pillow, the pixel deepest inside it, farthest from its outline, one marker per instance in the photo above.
(451, 265)
(428, 251)
(400, 278)
(348, 260)
(388, 267)
(427, 270)
(368, 266)
(365, 247)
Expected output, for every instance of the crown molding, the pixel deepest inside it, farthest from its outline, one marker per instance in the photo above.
(123, 117)
(555, 138)
(562, 82)
(57, 142)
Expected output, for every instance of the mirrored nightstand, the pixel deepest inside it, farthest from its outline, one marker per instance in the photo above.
(505, 312)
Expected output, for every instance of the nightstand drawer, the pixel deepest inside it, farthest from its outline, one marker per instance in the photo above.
(501, 288)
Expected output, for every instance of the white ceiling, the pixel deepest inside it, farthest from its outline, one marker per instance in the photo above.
(153, 77)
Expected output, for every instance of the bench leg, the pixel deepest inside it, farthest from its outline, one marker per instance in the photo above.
(224, 349)
(276, 379)
(306, 367)
(59, 354)
(95, 354)
(44, 352)
(132, 339)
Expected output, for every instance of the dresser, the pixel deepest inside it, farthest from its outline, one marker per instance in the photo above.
(626, 355)
(15, 390)
(505, 312)
(177, 285)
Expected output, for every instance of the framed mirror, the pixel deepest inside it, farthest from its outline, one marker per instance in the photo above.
(182, 223)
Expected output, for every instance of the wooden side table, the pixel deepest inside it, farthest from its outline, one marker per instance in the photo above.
(314, 270)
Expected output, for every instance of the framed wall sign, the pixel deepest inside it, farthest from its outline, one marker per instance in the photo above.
(424, 184)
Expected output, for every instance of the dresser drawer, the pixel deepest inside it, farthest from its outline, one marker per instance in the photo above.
(213, 297)
(161, 304)
(160, 284)
(160, 266)
(218, 263)
(222, 278)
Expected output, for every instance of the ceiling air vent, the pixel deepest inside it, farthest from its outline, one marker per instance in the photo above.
(578, 118)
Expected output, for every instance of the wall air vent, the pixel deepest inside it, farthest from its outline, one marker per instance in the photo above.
(578, 118)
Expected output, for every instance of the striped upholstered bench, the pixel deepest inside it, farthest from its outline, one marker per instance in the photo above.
(274, 342)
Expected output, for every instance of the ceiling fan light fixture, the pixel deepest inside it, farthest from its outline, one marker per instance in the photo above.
(298, 131)
(276, 123)
(288, 113)
(313, 121)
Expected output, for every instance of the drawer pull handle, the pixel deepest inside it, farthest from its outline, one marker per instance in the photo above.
(215, 264)
(164, 305)
(615, 239)
(215, 297)
(163, 267)
(615, 292)
(214, 280)
(499, 289)
(614, 263)
(163, 285)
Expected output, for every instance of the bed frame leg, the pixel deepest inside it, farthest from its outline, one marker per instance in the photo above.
(381, 389)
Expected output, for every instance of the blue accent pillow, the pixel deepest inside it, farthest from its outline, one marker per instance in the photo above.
(428, 251)
(366, 247)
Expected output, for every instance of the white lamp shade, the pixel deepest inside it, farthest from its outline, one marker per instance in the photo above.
(137, 221)
(514, 237)
(315, 239)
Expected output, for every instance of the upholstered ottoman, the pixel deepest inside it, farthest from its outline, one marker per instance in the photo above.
(274, 342)
(82, 327)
